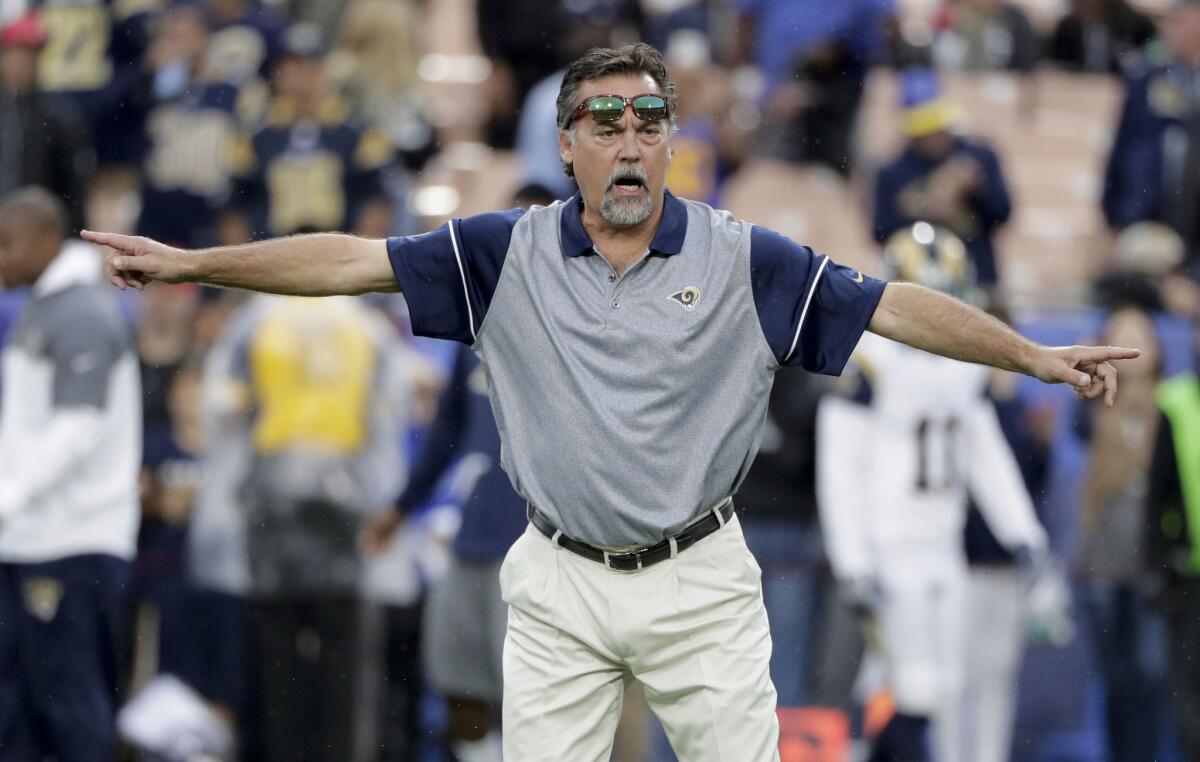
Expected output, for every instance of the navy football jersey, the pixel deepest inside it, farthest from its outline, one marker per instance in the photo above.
(188, 167)
(303, 175)
(93, 57)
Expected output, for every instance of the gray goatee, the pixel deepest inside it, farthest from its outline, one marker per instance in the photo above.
(622, 211)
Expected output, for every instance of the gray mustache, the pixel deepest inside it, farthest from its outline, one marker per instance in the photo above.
(627, 173)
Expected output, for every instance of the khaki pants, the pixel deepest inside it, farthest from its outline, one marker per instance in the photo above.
(692, 630)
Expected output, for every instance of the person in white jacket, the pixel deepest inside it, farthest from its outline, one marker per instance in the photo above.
(924, 430)
(70, 447)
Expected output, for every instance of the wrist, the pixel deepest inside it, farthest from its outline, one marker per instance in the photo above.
(194, 265)
(1027, 358)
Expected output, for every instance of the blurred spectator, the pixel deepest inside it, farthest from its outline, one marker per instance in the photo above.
(814, 58)
(778, 502)
(1154, 168)
(526, 47)
(664, 18)
(311, 167)
(217, 566)
(164, 333)
(895, 542)
(1173, 545)
(374, 67)
(985, 35)
(93, 58)
(537, 139)
(1105, 36)
(698, 166)
(532, 194)
(942, 178)
(70, 443)
(190, 131)
(1000, 584)
(313, 384)
(170, 476)
(326, 14)
(1127, 633)
(466, 618)
(778, 36)
(43, 141)
(245, 39)
(584, 27)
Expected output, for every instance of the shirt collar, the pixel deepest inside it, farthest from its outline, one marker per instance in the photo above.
(668, 239)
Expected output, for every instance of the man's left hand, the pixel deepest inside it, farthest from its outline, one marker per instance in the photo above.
(1088, 369)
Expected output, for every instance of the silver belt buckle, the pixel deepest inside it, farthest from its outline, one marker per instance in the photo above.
(637, 555)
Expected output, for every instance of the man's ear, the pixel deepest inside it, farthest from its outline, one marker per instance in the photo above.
(565, 149)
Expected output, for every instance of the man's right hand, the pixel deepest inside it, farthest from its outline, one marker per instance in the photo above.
(135, 261)
(378, 530)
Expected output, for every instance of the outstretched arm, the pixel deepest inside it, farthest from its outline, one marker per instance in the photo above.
(322, 264)
(934, 322)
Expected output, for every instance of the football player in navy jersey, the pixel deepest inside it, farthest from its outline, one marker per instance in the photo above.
(311, 167)
(190, 132)
(93, 58)
(245, 39)
(1151, 172)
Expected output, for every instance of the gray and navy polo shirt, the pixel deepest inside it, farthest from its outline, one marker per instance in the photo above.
(629, 405)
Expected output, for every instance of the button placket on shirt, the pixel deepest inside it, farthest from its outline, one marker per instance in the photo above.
(617, 282)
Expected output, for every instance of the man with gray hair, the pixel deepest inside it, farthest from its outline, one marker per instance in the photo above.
(629, 340)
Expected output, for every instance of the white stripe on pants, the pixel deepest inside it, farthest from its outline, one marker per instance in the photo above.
(693, 630)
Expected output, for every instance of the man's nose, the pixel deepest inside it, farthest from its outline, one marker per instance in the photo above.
(629, 149)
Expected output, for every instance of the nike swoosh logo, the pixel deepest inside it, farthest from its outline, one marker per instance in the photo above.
(857, 277)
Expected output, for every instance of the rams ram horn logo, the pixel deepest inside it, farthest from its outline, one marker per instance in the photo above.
(687, 298)
(42, 596)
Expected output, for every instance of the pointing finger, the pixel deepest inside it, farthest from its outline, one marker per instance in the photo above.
(115, 240)
(1104, 354)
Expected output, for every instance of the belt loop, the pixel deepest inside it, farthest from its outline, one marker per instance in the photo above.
(716, 509)
(674, 546)
(606, 562)
(555, 538)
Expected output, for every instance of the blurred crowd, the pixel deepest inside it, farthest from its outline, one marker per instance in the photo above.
(264, 624)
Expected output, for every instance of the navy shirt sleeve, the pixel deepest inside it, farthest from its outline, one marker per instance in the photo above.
(448, 276)
(812, 311)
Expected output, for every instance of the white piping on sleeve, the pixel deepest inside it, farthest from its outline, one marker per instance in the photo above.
(462, 273)
(804, 312)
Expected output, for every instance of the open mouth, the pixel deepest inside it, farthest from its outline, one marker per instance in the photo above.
(628, 186)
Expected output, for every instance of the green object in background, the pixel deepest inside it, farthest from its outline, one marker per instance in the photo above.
(1179, 399)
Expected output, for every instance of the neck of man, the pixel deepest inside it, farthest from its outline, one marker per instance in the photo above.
(621, 247)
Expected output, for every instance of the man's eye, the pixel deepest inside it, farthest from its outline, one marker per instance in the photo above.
(606, 133)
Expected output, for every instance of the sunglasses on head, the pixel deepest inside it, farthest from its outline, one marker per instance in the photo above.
(609, 108)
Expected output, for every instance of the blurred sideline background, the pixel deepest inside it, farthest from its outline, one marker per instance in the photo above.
(180, 120)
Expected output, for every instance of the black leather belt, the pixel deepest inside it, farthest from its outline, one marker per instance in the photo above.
(642, 557)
